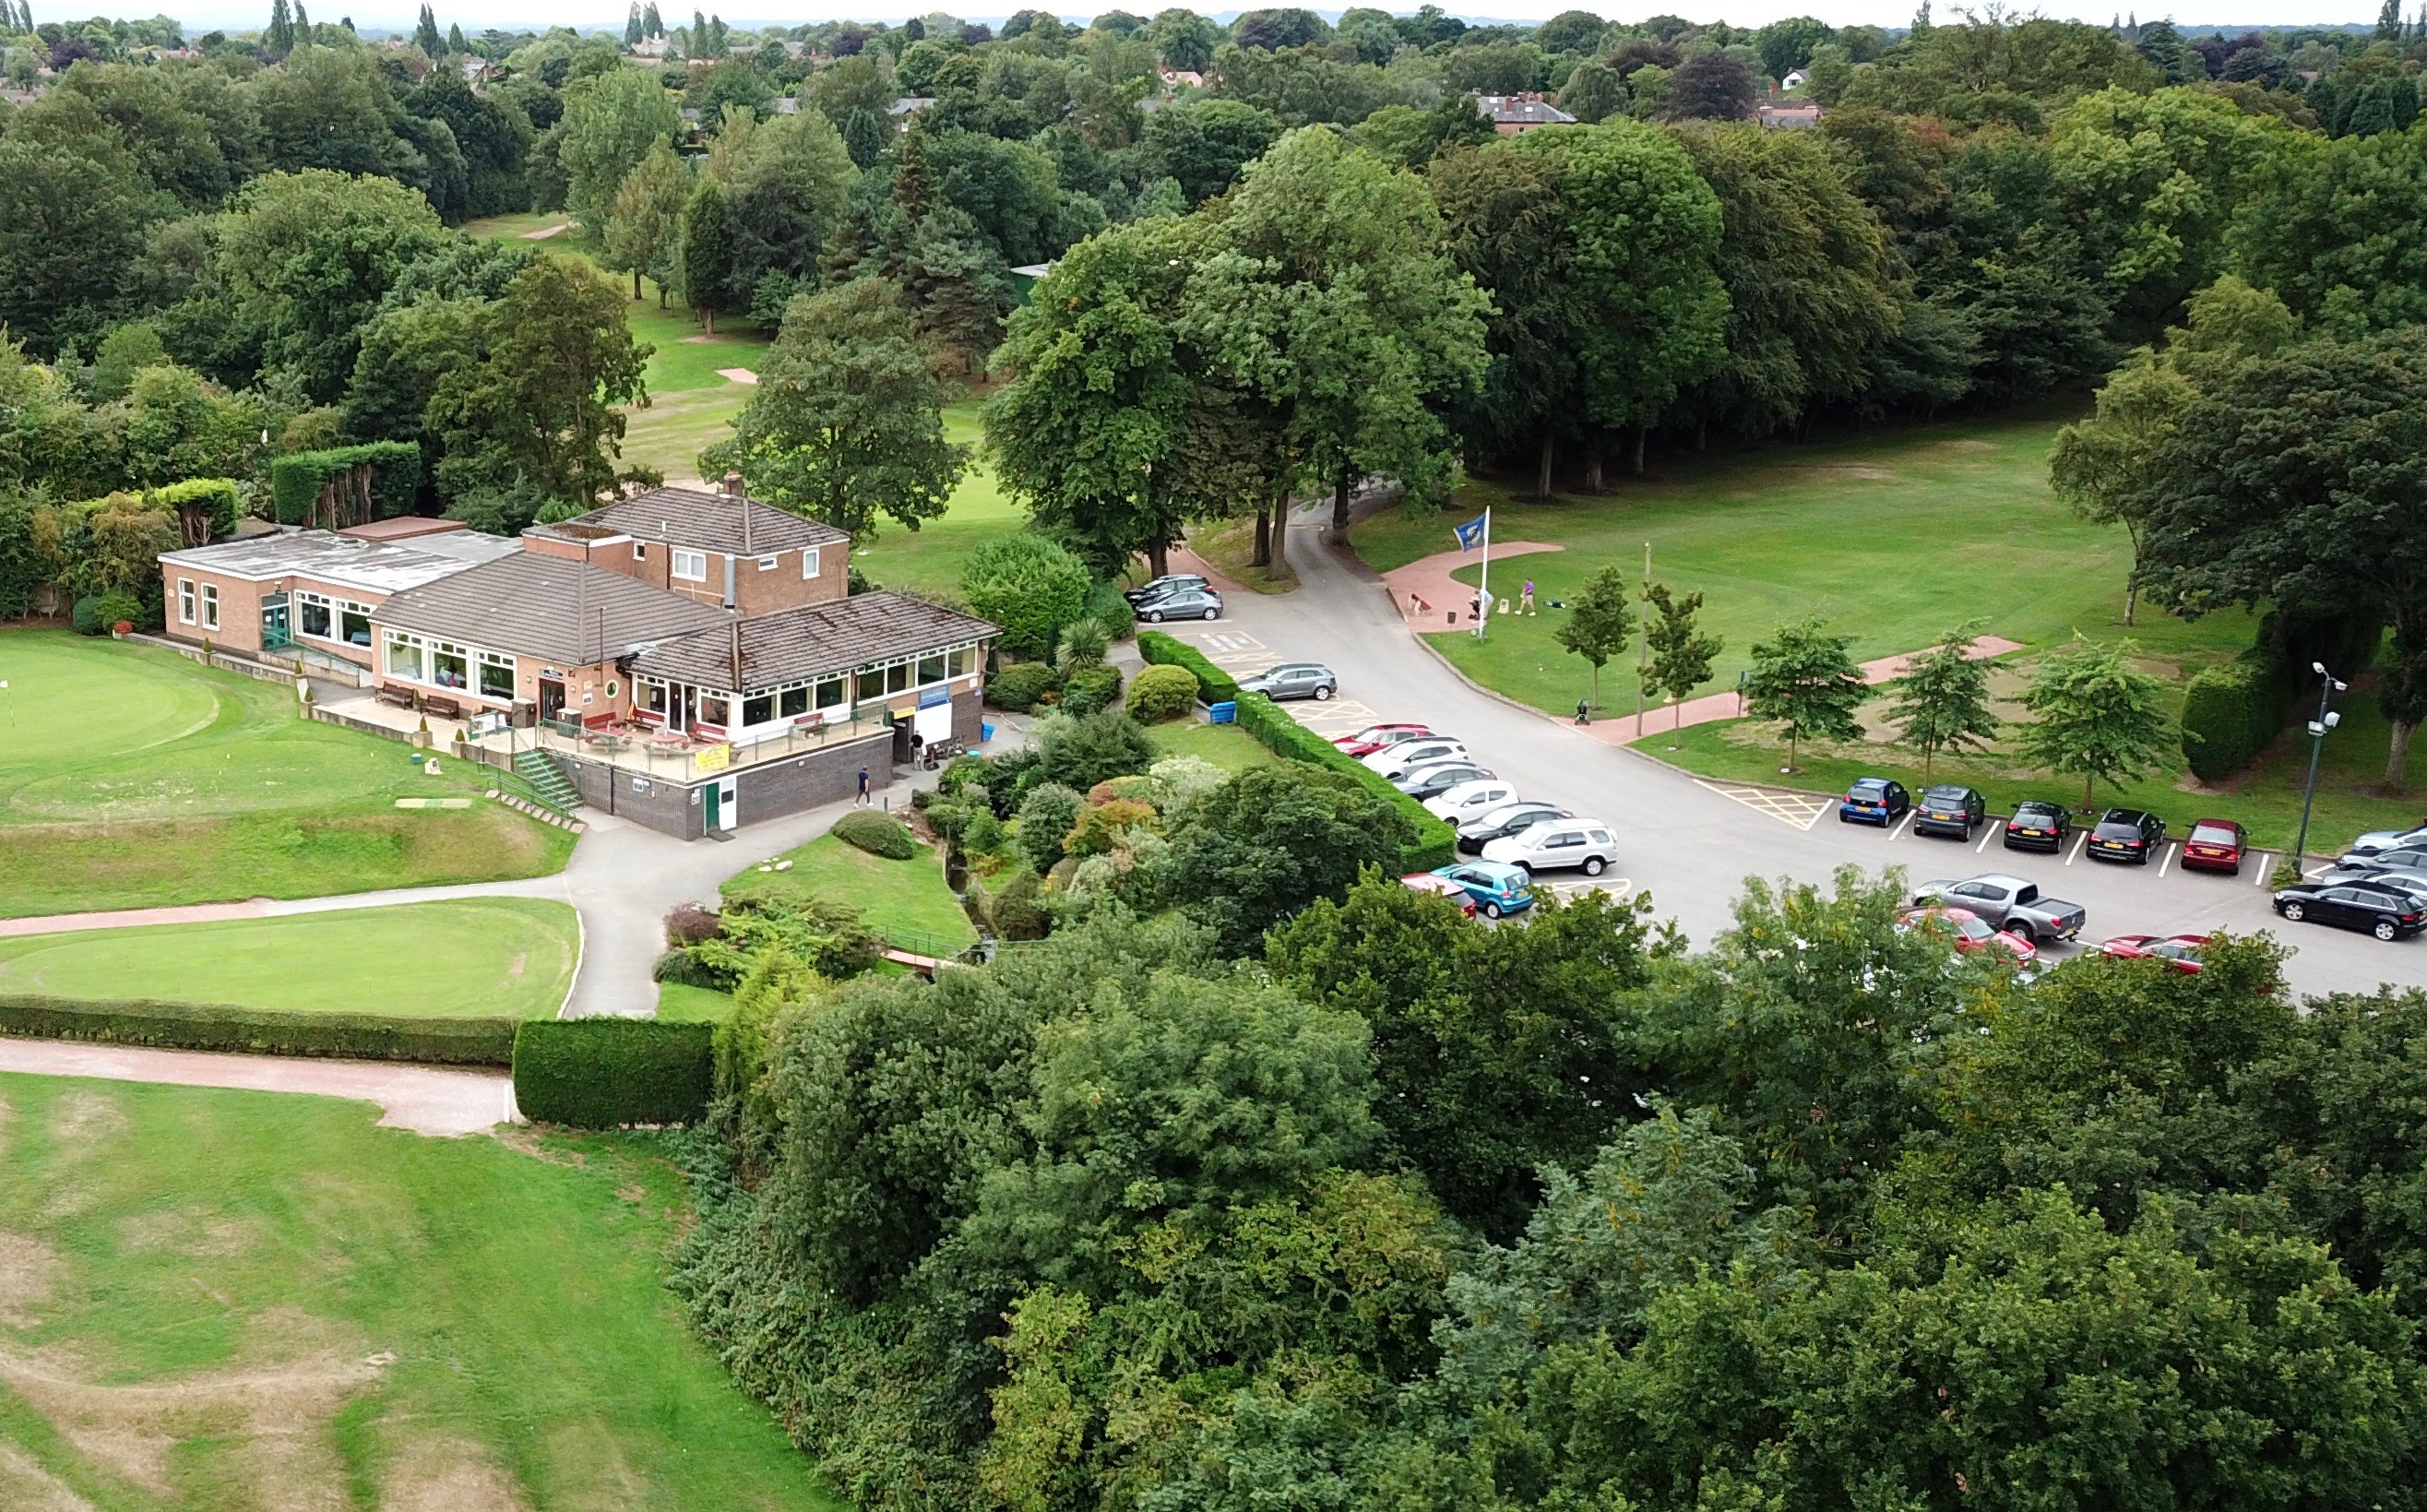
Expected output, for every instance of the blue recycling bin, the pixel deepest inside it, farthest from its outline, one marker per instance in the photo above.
(985, 731)
(1225, 712)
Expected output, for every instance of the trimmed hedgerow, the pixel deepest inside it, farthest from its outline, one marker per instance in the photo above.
(1214, 685)
(1436, 841)
(605, 1073)
(878, 834)
(2229, 714)
(212, 1026)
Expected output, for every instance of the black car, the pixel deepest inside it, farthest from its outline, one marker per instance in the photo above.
(1168, 583)
(1510, 818)
(2384, 912)
(1873, 800)
(1950, 808)
(2405, 858)
(1292, 680)
(2037, 824)
(2128, 834)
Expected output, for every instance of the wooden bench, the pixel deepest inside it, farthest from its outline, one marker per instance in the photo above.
(444, 707)
(388, 693)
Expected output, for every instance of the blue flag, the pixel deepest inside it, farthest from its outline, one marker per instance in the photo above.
(1470, 535)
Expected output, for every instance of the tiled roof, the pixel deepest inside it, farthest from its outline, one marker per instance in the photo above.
(1515, 110)
(698, 520)
(345, 561)
(840, 635)
(536, 605)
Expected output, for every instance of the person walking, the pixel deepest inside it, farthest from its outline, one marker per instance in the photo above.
(1584, 711)
(862, 800)
(1525, 599)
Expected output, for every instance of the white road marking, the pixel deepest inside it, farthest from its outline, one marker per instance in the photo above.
(2264, 862)
(1985, 839)
(2079, 840)
(1900, 825)
(2169, 860)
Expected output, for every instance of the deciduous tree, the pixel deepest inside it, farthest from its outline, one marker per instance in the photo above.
(610, 122)
(644, 225)
(2092, 713)
(1941, 702)
(1600, 622)
(1803, 680)
(1681, 657)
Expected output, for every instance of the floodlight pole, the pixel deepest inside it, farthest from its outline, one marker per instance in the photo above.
(2325, 721)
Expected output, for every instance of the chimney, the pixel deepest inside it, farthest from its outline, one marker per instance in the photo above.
(733, 484)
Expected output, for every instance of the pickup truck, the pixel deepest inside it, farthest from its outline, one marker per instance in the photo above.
(2008, 904)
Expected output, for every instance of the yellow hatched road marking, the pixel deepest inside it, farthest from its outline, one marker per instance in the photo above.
(1795, 810)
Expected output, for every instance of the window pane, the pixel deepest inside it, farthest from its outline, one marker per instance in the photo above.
(809, 562)
(315, 619)
(795, 701)
(758, 709)
(931, 669)
(354, 626)
(830, 692)
(871, 685)
(495, 681)
(447, 669)
(403, 657)
(897, 678)
(712, 710)
(960, 660)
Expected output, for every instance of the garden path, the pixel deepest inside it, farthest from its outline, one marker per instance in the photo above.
(424, 1098)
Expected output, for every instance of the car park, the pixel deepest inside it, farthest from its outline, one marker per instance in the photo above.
(2403, 858)
(1374, 737)
(1971, 933)
(2406, 879)
(1433, 882)
(1469, 799)
(2387, 913)
(2180, 952)
(1292, 680)
(1183, 603)
(2009, 902)
(1149, 592)
(1558, 844)
(1873, 800)
(2215, 845)
(2375, 841)
(1496, 890)
(2037, 824)
(1423, 783)
(2126, 835)
(1950, 808)
(1393, 759)
(1508, 819)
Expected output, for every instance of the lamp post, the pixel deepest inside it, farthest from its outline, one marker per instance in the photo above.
(2327, 719)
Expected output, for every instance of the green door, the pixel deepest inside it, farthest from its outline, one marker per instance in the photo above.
(714, 801)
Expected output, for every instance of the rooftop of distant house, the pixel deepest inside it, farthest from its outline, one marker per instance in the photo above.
(346, 560)
(1522, 110)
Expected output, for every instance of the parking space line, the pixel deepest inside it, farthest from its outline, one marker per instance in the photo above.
(2171, 852)
(1985, 838)
(1900, 825)
(2264, 862)
(2078, 841)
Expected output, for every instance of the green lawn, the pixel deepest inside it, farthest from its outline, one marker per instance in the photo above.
(909, 896)
(680, 1005)
(217, 1300)
(929, 559)
(1227, 747)
(471, 957)
(131, 778)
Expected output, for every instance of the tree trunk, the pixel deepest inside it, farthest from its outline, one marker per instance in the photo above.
(1157, 561)
(1701, 436)
(2398, 756)
(661, 293)
(1592, 469)
(710, 314)
(2089, 789)
(2131, 599)
(1543, 479)
(1638, 449)
(636, 283)
(1790, 749)
(1280, 535)
(1340, 502)
(1263, 537)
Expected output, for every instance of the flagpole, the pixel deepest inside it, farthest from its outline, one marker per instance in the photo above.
(1484, 596)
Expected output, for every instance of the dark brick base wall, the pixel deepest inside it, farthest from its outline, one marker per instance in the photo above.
(770, 790)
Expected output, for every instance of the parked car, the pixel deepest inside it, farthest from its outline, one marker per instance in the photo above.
(1424, 782)
(2401, 858)
(1375, 737)
(2037, 824)
(1508, 819)
(2131, 835)
(1497, 890)
(2405, 879)
(1971, 933)
(2375, 841)
(2215, 845)
(2387, 913)
(1156, 588)
(1435, 883)
(2009, 904)
(1556, 844)
(1469, 799)
(1873, 800)
(1183, 603)
(2181, 952)
(1393, 759)
(1292, 680)
(1950, 808)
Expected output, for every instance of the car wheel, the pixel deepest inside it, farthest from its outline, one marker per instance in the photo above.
(1491, 910)
(1212, 614)
(2021, 932)
(1321, 692)
(2384, 930)
(1593, 866)
(2293, 912)
(1154, 616)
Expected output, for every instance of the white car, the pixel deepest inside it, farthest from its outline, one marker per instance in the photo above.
(1585, 844)
(2375, 841)
(1392, 760)
(1468, 799)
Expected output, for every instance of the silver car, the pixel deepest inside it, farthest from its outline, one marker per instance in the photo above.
(1556, 844)
(1292, 680)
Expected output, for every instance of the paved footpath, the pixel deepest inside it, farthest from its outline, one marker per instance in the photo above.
(423, 1099)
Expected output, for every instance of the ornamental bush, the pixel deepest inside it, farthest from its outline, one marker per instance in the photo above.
(1045, 815)
(116, 606)
(1029, 586)
(1214, 685)
(84, 617)
(605, 1073)
(876, 832)
(2229, 714)
(1160, 693)
(1022, 686)
(1091, 690)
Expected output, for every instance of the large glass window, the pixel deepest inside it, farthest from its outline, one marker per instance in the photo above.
(403, 657)
(712, 710)
(652, 696)
(496, 676)
(931, 669)
(869, 686)
(897, 678)
(449, 667)
(312, 611)
(185, 601)
(794, 702)
(210, 606)
(758, 709)
(962, 659)
(354, 624)
(829, 692)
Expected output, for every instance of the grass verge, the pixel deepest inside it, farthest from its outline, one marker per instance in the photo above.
(1227, 747)
(910, 896)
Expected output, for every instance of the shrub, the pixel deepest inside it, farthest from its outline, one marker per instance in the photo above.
(1436, 841)
(1017, 911)
(604, 1073)
(84, 616)
(1091, 690)
(1007, 778)
(686, 966)
(1084, 750)
(1020, 686)
(1100, 826)
(1214, 685)
(1107, 608)
(877, 834)
(210, 1026)
(115, 606)
(2229, 714)
(689, 923)
(1029, 586)
(1045, 815)
(1160, 692)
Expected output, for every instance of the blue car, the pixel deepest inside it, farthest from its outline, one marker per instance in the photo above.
(1873, 800)
(1496, 886)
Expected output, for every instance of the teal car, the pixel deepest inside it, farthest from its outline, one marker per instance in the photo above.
(1497, 888)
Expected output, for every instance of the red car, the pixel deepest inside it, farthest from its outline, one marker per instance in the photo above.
(2215, 845)
(1374, 737)
(1428, 882)
(1971, 933)
(2181, 952)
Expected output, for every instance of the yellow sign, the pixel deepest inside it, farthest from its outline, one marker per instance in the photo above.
(715, 758)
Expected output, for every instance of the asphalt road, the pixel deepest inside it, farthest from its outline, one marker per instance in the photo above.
(1691, 842)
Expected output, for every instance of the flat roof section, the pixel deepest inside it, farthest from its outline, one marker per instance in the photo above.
(345, 561)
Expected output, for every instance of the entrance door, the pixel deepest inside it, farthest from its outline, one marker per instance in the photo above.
(551, 698)
(713, 796)
(681, 705)
(273, 625)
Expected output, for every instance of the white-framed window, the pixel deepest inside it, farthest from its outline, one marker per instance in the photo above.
(404, 655)
(313, 616)
(809, 562)
(640, 551)
(768, 563)
(496, 676)
(690, 566)
(448, 665)
(185, 601)
(610, 689)
(962, 659)
(210, 606)
(354, 624)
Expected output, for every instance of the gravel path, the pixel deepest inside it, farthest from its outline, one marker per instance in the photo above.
(423, 1099)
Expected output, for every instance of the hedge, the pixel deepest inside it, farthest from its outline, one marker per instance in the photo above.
(211, 1026)
(604, 1073)
(210, 503)
(877, 832)
(1020, 685)
(1214, 685)
(1436, 841)
(373, 481)
(2229, 714)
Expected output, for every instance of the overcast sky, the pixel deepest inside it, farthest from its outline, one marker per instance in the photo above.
(383, 14)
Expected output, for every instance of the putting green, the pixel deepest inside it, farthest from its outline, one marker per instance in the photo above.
(71, 697)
